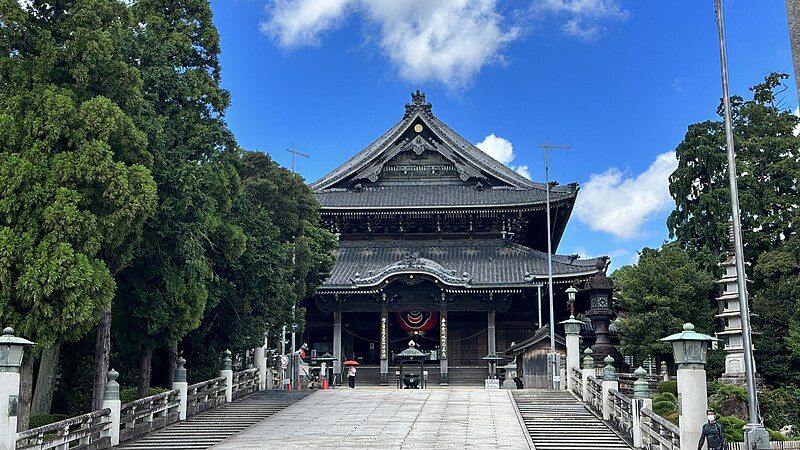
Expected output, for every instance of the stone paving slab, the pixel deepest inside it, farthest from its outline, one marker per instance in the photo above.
(379, 418)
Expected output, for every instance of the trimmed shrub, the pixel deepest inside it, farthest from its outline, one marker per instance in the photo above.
(734, 428)
(666, 397)
(780, 407)
(664, 407)
(668, 386)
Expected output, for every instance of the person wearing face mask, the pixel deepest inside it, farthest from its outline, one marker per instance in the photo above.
(713, 433)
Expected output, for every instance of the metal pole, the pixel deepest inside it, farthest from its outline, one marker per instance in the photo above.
(553, 360)
(752, 398)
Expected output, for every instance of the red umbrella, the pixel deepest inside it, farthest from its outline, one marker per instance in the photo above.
(350, 362)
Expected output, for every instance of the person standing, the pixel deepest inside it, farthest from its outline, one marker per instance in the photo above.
(351, 377)
(713, 432)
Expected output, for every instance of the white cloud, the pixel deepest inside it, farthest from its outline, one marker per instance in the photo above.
(443, 40)
(582, 17)
(502, 150)
(301, 22)
(447, 41)
(618, 204)
(498, 148)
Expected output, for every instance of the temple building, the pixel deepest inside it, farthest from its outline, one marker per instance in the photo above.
(442, 244)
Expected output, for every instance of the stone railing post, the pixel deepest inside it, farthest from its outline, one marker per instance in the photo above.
(610, 381)
(641, 399)
(588, 369)
(259, 356)
(111, 401)
(692, 403)
(227, 372)
(180, 384)
(572, 330)
(664, 372)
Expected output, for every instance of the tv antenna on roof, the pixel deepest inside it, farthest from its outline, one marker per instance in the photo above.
(553, 359)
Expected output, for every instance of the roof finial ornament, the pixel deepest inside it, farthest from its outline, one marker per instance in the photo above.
(418, 104)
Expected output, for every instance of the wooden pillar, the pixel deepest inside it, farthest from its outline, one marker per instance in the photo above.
(337, 343)
(384, 344)
(491, 332)
(444, 378)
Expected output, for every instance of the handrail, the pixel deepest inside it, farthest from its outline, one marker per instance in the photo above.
(205, 395)
(245, 382)
(659, 432)
(93, 429)
(148, 414)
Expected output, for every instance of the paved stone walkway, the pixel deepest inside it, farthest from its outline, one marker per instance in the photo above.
(383, 418)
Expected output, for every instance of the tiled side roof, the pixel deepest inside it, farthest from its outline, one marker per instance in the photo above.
(486, 263)
(438, 195)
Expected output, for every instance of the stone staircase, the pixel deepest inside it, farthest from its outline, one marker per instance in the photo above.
(556, 420)
(215, 425)
(459, 376)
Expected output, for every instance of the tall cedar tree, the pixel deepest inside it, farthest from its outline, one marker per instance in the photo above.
(255, 292)
(75, 187)
(768, 165)
(657, 295)
(776, 304)
(163, 294)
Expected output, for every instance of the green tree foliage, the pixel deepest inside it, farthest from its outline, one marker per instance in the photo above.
(768, 165)
(286, 258)
(665, 289)
(777, 305)
(165, 290)
(76, 187)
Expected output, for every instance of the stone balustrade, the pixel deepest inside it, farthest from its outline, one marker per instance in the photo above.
(658, 433)
(148, 414)
(621, 414)
(205, 395)
(595, 391)
(245, 382)
(117, 423)
(92, 430)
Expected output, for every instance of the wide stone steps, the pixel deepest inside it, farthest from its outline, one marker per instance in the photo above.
(215, 425)
(465, 376)
(555, 420)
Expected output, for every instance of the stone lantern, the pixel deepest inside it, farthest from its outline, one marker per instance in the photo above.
(12, 349)
(690, 350)
(600, 289)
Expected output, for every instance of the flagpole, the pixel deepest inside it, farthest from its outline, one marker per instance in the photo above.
(756, 436)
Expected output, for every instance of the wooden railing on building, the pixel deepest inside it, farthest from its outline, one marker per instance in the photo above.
(658, 433)
(148, 414)
(245, 382)
(89, 431)
(205, 395)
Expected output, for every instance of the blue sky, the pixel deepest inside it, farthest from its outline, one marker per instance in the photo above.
(617, 80)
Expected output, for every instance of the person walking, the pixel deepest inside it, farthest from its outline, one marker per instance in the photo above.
(713, 432)
(351, 377)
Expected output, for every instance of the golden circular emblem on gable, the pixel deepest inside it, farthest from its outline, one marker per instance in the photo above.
(418, 128)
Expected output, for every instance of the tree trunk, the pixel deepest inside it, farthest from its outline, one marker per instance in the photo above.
(46, 381)
(145, 370)
(793, 15)
(25, 392)
(173, 361)
(102, 351)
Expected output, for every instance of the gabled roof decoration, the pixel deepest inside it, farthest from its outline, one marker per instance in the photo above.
(454, 147)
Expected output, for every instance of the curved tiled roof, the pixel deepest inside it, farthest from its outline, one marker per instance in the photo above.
(422, 196)
(463, 262)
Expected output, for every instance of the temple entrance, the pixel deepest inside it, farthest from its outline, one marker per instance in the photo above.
(467, 338)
